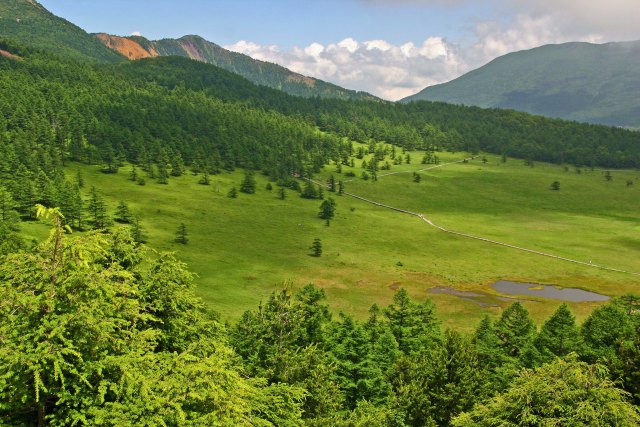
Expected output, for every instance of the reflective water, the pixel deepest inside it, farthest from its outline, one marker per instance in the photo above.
(545, 291)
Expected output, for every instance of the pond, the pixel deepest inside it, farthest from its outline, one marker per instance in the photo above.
(545, 291)
(483, 300)
(516, 289)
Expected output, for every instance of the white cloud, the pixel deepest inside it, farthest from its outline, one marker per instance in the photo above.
(376, 66)
(395, 71)
(136, 33)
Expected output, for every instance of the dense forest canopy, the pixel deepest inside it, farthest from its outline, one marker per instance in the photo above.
(98, 330)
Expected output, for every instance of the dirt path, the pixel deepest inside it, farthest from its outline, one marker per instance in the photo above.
(421, 170)
(471, 236)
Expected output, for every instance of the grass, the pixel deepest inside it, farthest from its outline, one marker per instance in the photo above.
(244, 248)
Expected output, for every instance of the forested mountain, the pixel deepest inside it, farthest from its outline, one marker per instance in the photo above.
(575, 81)
(33, 25)
(259, 72)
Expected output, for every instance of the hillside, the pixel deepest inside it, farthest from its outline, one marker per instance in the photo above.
(258, 72)
(574, 81)
(30, 23)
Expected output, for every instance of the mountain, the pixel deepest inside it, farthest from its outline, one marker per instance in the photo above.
(575, 81)
(30, 23)
(259, 72)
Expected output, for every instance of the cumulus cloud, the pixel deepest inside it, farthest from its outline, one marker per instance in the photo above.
(393, 71)
(136, 33)
(376, 66)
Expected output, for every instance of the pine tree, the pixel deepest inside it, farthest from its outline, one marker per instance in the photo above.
(316, 247)
(340, 188)
(282, 193)
(327, 209)
(138, 233)
(97, 209)
(123, 214)
(332, 184)
(515, 329)
(233, 193)
(248, 184)
(559, 335)
(417, 177)
(133, 174)
(181, 234)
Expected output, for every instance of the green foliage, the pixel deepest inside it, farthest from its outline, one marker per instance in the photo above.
(515, 329)
(565, 392)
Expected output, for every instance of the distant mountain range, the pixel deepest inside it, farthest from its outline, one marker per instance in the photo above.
(595, 83)
(30, 23)
(258, 72)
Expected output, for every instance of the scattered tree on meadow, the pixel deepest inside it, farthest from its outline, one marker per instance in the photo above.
(181, 234)
(123, 214)
(233, 193)
(316, 247)
(248, 184)
(555, 185)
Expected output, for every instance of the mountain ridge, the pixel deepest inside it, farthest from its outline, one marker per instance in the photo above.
(260, 72)
(595, 83)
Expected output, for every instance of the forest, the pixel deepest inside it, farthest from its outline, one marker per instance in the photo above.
(98, 329)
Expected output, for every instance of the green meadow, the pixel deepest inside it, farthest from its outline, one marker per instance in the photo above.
(242, 249)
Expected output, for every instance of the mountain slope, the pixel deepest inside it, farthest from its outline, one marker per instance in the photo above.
(32, 24)
(259, 72)
(575, 81)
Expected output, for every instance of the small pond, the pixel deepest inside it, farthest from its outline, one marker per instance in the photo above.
(515, 290)
(546, 291)
(483, 300)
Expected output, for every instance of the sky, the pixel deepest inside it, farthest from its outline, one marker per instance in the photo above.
(390, 48)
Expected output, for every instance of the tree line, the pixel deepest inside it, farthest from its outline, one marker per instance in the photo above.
(99, 330)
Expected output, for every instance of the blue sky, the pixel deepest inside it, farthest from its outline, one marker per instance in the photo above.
(392, 48)
(282, 22)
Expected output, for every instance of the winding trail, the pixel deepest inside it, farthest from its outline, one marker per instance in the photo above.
(471, 236)
(420, 170)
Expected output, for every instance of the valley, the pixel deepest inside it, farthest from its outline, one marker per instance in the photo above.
(242, 249)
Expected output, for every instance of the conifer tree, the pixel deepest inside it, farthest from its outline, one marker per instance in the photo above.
(559, 335)
(97, 209)
(515, 329)
(282, 193)
(248, 184)
(181, 234)
(123, 214)
(316, 247)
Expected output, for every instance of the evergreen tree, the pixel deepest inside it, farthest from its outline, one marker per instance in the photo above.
(233, 193)
(79, 178)
(515, 330)
(562, 393)
(416, 177)
(559, 335)
(248, 184)
(332, 184)
(97, 209)
(414, 325)
(205, 179)
(282, 193)
(177, 165)
(138, 233)
(309, 191)
(133, 174)
(123, 214)
(316, 247)
(327, 209)
(340, 188)
(181, 234)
